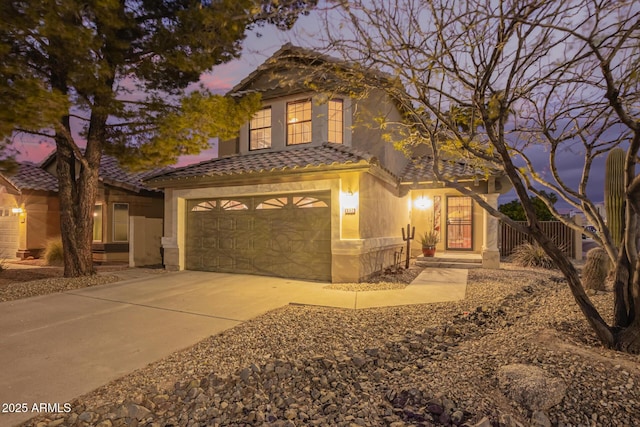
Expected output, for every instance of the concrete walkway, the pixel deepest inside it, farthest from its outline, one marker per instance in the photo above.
(60, 346)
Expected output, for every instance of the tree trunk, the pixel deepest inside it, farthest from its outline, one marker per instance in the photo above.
(77, 198)
(623, 301)
(628, 339)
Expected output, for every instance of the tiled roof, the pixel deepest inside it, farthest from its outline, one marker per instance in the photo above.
(421, 169)
(111, 173)
(32, 177)
(324, 155)
(286, 52)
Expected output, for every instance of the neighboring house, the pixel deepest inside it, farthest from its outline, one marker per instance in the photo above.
(127, 215)
(309, 191)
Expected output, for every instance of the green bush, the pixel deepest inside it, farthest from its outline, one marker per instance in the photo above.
(531, 255)
(53, 253)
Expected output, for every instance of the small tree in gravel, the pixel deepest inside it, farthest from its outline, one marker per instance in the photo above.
(507, 82)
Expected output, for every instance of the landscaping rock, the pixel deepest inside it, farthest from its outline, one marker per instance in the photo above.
(530, 386)
(314, 366)
(540, 419)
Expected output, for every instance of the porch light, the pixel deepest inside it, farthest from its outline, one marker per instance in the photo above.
(16, 210)
(423, 202)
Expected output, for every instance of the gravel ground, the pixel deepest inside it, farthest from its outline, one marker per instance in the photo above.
(419, 365)
(17, 290)
(389, 280)
(30, 278)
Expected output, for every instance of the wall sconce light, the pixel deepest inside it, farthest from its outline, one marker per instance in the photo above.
(349, 202)
(16, 210)
(423, 202)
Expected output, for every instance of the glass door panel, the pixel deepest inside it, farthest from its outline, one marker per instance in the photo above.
(459, 223)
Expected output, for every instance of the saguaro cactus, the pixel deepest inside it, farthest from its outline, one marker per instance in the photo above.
(614, 194)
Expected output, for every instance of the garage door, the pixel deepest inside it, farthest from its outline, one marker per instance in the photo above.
(283, 235)
(9, 230)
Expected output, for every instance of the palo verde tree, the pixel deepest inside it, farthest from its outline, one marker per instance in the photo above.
(111, 75)
(502, 81)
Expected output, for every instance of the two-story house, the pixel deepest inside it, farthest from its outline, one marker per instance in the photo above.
(309, 191)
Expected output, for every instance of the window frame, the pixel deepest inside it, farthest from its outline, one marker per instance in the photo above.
(101, 229)
(331, 119)
(299, 123)
(113, 222)
(262, 128)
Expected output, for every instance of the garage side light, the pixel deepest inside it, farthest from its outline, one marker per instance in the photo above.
(349, 202)
(16, 210)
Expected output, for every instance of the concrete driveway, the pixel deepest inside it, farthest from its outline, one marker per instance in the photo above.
(60, 346)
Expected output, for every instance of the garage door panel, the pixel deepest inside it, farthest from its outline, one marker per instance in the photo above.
(198, 242)
(194, 261)
(9, 233)
(206, 224)
(318, 246)
(221, 261)
(227, 243)
(282, 240)
(261, 245)
(227, 224)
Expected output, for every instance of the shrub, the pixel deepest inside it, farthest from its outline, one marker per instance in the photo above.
(53, 253)
(3, 260)
(531, 255)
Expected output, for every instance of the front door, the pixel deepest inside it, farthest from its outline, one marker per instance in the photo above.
(459, 223)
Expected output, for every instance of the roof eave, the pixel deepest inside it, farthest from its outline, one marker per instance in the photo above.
(11, 184)
(126, 186)
(232, 178)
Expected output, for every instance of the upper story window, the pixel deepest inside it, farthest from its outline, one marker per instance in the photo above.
(335, 121)
(299, 122)
(260, 130)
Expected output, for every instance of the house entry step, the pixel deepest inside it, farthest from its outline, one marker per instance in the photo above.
(449, 260)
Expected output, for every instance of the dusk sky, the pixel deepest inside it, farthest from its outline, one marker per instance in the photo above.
(221, 79)
(256, 50)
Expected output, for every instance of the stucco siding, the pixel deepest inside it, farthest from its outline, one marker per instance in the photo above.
(382, 212)
(367, 135)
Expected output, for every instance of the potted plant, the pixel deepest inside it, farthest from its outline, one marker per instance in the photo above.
(429, 240)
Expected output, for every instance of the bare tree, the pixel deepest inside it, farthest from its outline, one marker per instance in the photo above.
(496, 81)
